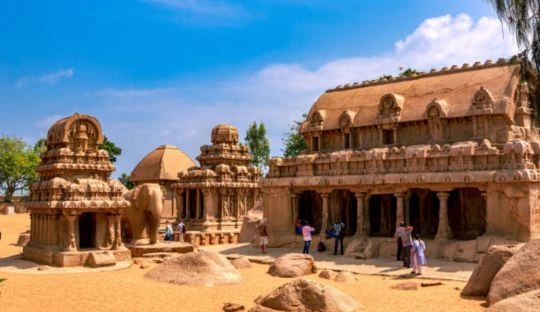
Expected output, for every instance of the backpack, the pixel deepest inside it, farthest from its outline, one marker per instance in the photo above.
(321, 247)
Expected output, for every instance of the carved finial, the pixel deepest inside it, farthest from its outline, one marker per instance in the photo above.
(465, 66)
(477, 64)
(454, 67)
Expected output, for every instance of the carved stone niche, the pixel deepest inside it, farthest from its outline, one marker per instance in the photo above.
(436, 113)
(482, 101)
(390, 106)
(316, 120)
(345, 123)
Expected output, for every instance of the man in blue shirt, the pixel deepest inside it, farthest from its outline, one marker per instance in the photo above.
(339, 233)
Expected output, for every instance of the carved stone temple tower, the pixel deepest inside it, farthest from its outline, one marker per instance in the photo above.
(75, 209)
(213, 198)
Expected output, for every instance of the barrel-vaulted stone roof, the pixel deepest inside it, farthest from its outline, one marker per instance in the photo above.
(453, 90)
(163, 163)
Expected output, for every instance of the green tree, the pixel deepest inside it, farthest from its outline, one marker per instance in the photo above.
(409, 72)
(18, 162)
(114, 151)
(40, 146)
(292, 140)
(258, 144)
(124, 179)
(523, 18)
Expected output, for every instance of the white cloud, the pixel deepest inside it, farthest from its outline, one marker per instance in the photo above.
(215, 7)
(49, 78)
(48, 121)
(280, 93)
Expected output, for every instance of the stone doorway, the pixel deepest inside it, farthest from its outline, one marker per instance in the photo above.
(423, 212)
(87, 230)
(382, 215)
(310, 209)
(343, 207)
(191, 204)
(466, 213)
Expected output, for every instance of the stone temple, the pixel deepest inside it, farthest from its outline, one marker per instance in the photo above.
(75, 209)
(452, 152)
(214, 197)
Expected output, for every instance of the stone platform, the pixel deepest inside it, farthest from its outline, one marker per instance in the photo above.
(74, 258)
(176, 247)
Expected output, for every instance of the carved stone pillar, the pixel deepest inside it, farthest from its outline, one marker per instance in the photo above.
(360, 230)
(187, 207)
(198, 204)
(181, 204)
(324, 223)
(443, 230)
(117, 243)
(294, 207)
(400, 216)
(71, 243)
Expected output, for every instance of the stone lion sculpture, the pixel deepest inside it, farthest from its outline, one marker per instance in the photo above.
(145, 212)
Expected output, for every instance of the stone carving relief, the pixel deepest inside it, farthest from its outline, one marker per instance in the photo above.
(390, 106)
(482, 100)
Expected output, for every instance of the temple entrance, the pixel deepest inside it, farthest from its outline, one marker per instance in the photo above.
(87, 230)
(382, 215)
(466, 213)
(343, 207)
(310, 209)
(191, 203)
(423, 212)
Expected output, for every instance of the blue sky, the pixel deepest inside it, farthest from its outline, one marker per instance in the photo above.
(166, 71)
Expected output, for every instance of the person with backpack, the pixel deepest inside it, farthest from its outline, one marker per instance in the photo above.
(339, 233)
(181, 228)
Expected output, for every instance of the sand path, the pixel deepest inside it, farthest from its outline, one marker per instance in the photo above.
(129, 290)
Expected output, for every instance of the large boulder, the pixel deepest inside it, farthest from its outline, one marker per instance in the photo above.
(483, 274)
(204, 268)
(241, 262)
(520, 274)
(526, 302)
(306, 296)
(293, 265)
(248, 232)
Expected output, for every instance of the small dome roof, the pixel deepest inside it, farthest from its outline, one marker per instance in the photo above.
(225, 134)
(163, 163)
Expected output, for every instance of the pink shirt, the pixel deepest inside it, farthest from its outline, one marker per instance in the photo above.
(306, 232)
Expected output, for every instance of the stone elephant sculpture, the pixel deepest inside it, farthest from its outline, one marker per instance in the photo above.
(144, 212)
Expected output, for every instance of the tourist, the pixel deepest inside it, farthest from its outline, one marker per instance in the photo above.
(339, 234)
(298, 227)
(397, 236)
(306, 233)
(263, 235)
(168, 232)
(418, 257)
(406, 240)
(181, 228)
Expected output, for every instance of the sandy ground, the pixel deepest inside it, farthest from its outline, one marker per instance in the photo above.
(128, 289)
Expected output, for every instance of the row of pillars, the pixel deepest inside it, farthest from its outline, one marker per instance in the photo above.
(443, 229)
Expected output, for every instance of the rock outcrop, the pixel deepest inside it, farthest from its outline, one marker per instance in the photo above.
(487, 268)
(306, 296)
(526, 302)
(520, 274)
(293, 265)
(204, 268)
(241, 262)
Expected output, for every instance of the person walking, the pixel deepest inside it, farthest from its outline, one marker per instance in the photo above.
(419, 259)
(339, 234)
(306, 233)
(406, 240)
(263, 235)
(168, 232)
(397, 236)
(181, 228)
